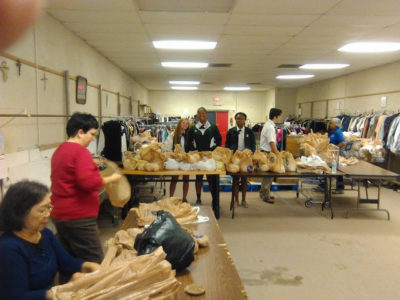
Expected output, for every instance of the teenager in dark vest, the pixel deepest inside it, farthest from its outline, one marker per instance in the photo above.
(203, 136)
(239, 138)
(180, 137)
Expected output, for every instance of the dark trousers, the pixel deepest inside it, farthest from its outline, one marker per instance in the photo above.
(199, 178)
(80, 238)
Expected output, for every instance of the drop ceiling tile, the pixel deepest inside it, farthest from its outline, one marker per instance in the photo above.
(271, 20)
(97, 5)
(236, 30)
(356, 21)
(179, 29)
(284, 6)
(106, 28)
(185, 6)
(184, 56)
(367, 8)
(95, 17)
(183, 18)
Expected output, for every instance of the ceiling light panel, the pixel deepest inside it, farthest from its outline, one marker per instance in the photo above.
(370, 47)
(184, 82)
(323, 66)
(237, 88)
(184, 45)
(295, 76)
(177, 64)
(184, 88)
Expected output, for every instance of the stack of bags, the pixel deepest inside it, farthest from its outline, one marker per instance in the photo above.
(245, 162)
(190, 161)
(124, 276)
(149, 158)
(182, 212)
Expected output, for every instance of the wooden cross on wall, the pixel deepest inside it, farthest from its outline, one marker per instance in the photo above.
(44, 80)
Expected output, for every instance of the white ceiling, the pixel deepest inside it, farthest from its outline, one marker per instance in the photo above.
(255, 36)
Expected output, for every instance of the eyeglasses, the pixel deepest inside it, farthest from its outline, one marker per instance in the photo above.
(46, 210)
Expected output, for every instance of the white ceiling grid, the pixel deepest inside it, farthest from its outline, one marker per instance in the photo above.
(254, 35)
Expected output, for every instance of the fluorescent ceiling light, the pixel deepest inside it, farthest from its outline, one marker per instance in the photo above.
(184, 82)
(184, 45)
(236, 88)
(370, 47)
(186, 88)
(295, 76)
(323, 66)
(176, 64)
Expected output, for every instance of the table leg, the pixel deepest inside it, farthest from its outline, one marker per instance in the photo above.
(330, 196)
(233, 199)
(215, 195)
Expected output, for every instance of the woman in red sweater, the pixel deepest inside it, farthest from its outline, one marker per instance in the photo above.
(76, 182)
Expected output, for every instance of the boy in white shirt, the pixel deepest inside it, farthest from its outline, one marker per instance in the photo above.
(268, 144)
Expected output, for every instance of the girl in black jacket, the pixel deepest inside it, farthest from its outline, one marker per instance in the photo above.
(239, 138)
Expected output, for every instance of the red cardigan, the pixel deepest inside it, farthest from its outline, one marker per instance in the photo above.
(75, 183)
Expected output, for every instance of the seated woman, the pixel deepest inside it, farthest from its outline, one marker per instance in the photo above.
(30, 255)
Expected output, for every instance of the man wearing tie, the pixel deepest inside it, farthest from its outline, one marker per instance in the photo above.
(203, 136)
(239, 138)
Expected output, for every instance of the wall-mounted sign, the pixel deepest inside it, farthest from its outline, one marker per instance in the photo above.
(217, 101)
(383, 101)
(81, 87)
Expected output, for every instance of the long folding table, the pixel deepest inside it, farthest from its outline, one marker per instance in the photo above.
(328, 187)
(365, 172)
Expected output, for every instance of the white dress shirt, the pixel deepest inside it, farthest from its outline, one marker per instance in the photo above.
(268, 135)
(241, 145)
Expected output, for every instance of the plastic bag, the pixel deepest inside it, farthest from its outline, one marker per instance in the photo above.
(177, 243)
(171, 164)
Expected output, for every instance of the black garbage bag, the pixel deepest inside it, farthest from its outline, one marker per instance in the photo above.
(177, 243)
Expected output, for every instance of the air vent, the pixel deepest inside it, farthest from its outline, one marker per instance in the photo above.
(206, 82)
(253, 83)
(216, 65)
(289, 66)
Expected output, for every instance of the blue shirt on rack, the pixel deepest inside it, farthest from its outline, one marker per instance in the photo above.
(336, 137)
(27, 270)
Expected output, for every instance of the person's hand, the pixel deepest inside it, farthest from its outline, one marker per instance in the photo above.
(88, 267)
(96, 160)
(49, 295)
(76, 275)
(112, 178)
(115, 177)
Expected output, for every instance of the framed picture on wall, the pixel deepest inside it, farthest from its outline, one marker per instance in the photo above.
(81, 88)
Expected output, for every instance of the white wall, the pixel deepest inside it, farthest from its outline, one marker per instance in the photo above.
(51, 45)
(285, 99)
(354, 93)
(254, 104)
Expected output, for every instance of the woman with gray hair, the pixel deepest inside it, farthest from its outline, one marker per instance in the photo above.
(335, 133)
(336, 137)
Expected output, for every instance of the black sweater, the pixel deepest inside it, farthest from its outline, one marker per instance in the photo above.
(232, 139)
(201, 142)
